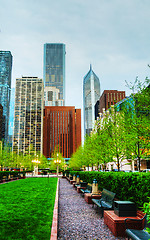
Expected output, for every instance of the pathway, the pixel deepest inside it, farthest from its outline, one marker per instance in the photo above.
(77, 219)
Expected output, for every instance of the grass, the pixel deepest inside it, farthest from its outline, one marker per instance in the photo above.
(26, 209)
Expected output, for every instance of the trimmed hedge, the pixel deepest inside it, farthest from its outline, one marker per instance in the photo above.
(13, 173)
(127, 186)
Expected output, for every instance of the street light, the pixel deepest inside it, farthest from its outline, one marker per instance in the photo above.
(36, 167)
(57, 162)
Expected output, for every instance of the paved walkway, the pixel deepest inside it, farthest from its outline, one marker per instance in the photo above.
(77, 219)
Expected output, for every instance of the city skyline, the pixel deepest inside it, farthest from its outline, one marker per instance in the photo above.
(112, 36)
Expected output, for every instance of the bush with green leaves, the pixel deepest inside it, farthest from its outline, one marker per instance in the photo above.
(127, 186)
(11, 173)
(146, 207)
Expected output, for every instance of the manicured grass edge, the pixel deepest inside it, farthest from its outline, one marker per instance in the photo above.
(55, 216)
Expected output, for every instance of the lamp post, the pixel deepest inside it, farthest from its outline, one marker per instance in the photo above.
(36, 166)
(57, 162)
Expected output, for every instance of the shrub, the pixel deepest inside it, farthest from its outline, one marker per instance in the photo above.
(13, 173)
(146, 208)
(127, 186)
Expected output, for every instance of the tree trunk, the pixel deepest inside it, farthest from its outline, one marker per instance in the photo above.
(139, 159)
(118, 165)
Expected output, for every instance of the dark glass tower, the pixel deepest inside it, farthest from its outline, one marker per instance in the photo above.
(54, 67)
(5, 88)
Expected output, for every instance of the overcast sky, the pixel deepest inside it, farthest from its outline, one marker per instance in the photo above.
(112, 35)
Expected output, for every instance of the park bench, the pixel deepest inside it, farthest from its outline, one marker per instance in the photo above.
(135, 234)
(69, 178)
(4, 179)
(14, 177)
(11, 177)
(106, 201)
(81, 184)
(87, 190)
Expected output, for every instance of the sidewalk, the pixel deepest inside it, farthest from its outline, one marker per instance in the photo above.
(77, 219)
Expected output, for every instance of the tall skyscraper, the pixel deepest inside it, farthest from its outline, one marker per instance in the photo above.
(1, 121)
(91, 93)
(54, 67)
(5, 87)
(11, 113)
(62, 127)
(28, 115)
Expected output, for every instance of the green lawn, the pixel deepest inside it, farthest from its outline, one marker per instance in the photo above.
(26, 209)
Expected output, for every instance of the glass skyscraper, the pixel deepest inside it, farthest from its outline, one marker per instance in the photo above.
(11, 112)
(1, 121)
(91, 93)
(28, 117)
(54, 67)
(5, 88)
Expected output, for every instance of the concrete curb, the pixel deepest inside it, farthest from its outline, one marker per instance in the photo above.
(55, 216)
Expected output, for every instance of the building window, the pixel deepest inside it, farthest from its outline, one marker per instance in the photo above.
(50, 96)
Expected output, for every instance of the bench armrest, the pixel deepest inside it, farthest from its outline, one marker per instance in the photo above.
(135, 220)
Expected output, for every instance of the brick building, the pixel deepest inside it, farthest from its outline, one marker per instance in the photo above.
(61, 126)
(110, 97)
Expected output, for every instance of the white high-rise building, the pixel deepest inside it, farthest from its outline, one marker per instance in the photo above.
(28, 115)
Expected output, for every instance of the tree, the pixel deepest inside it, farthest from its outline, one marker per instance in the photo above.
(5, 156)
(117, 136)
(138, 121)
(57, 159)
(90, 151)
(77, 159)
(103, 141)
(121, 133)
(44, 163)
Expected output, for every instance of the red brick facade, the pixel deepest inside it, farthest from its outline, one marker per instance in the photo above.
(61, 126)
(110, 97)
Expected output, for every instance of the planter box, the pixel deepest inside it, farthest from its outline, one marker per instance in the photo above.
(117, 226)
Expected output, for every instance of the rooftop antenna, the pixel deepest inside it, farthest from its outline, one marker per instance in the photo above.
(90, 67)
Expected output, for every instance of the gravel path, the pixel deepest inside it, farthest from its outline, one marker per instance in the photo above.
(77, 219)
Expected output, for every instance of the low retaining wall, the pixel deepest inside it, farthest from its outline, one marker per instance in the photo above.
(55, 216)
